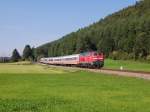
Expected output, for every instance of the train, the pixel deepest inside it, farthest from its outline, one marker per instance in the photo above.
(90, 59)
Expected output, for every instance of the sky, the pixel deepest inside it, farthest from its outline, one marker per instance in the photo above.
(37, 22)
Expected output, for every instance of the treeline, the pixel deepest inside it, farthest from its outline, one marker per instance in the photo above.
(27, 55)
(4, 59)
(122, 35)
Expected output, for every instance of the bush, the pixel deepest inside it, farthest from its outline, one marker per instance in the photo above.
(148, 58)
(113, 55)
(131, 56)
(118, 55)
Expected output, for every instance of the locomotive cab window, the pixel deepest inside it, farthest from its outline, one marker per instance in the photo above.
(95, 54)
(100, 53)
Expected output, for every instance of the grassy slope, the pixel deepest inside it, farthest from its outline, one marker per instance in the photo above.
(128, 65)
(24, 88)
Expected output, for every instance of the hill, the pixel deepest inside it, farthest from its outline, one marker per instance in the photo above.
(121, 35)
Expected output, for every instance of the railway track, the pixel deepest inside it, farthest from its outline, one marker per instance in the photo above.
(126, 73)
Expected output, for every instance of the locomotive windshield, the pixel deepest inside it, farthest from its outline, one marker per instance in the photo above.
(95, 54)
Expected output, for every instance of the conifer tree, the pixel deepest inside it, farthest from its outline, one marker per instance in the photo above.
(15, 56)
(27, 52)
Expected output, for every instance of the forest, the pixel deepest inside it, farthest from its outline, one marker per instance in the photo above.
(122, 35)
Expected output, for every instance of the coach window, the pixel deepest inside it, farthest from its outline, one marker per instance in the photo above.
(74, 58)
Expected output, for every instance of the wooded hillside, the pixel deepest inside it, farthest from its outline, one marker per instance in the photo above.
(122, 35)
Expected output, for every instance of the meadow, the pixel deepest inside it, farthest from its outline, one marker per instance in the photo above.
(127, 65)
(36, 88)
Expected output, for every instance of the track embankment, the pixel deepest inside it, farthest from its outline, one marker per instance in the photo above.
(126, 73)
(144, 75)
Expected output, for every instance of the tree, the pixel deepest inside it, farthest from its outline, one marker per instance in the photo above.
(106, 45)
(33, 54)
(126, 32)
(85, 44)
(141, 47)
(27, 53)
(15, 56)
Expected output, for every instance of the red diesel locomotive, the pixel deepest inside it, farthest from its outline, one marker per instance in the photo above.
(88, 59)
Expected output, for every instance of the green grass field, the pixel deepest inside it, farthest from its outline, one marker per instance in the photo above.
(127, 65)
(35, 88)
